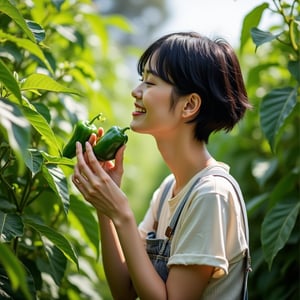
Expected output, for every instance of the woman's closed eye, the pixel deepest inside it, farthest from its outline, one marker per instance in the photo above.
(147, 82)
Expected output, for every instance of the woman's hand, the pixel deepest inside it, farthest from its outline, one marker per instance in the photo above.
(115, 170)
(95, 137)
(99, 182)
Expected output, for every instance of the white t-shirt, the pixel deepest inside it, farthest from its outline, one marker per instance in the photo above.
(210, 230)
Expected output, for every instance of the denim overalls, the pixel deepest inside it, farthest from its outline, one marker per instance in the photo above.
(159, 249)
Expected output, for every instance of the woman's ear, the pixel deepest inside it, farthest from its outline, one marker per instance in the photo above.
(191, 106)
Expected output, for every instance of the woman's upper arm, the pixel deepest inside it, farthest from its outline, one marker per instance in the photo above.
(187, 281)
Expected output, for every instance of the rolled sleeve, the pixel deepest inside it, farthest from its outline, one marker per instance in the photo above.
(202, 232)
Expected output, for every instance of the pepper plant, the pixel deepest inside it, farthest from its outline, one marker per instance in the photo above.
(279, 118)
(46, 75)
(264, 150)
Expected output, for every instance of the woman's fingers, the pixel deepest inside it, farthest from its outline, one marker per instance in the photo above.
(94, 164)
(79, 178)
(83, 171)
(100, 132)
(90, 172)
(119, 159)
(93, 139)
(120, 155)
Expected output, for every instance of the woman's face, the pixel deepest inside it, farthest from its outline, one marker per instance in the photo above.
(152, 112)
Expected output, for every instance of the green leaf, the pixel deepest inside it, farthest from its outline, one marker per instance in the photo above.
(50, 159)
(86, 218)
(58, 183)
(86, 69)
(276, 229)
(71, 33)
(15, 270)
(28, 45)
(7, 8)
(42, 126)
(251, 20)
(57, 4)
(15, 128)
(261, 37)
(57, 261)
(12, 52)
(34, 160)
(11, 226)
(43, 110)
(275, 109)
(9, 81)
(44, 82)
(285, 185)
(294, 68)
(55, 237)
(6, 206)
(37, 30)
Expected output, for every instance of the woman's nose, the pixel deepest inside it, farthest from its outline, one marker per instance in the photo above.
(137, 93)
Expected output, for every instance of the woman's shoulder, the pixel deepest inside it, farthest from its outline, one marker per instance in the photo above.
(214, 168)
(216, 179)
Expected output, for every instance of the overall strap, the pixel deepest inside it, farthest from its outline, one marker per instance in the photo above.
(239, 194)
(161, 201)
(243, 209)
(170, 229)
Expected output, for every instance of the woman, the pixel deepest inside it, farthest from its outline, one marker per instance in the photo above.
(192, 242)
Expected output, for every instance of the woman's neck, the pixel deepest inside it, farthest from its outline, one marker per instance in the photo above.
(185, 157)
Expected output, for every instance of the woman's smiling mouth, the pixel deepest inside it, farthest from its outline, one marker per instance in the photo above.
(138, 110)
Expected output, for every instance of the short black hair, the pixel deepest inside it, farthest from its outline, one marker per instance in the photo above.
(193, 63)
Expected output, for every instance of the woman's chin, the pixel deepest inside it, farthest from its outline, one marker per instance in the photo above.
(134, 126)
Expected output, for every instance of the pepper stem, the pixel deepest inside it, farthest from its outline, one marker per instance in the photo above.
(124, 129)
(96, 117)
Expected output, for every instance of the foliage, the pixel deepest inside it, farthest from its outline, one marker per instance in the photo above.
(267, 143)
(51, 72)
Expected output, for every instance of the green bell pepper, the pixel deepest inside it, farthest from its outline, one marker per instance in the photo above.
(108, 145)
(81, 133)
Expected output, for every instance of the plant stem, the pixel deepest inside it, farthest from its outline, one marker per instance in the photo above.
(289, 20)
(26, 192)
(10, 190)
(15, 245)
(292, 35)
(34, 197)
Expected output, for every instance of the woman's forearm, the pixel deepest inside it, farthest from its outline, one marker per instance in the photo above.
(114, 262)
(128, 270)
(125, 258)
(146, 281)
